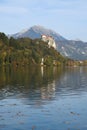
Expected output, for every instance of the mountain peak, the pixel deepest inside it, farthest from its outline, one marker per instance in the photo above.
(36, 31)
(43, 29)
(38, 27)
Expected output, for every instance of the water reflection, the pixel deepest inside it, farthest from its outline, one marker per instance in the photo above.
(42, 70)
(43, 98)
(42, 83)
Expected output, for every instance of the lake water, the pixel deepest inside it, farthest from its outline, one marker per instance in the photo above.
(34, 98)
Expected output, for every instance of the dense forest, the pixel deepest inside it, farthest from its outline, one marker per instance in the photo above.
(25, 51)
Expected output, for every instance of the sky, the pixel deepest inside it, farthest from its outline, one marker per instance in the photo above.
(66, 17)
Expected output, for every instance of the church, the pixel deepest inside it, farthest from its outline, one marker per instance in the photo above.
(49, 40)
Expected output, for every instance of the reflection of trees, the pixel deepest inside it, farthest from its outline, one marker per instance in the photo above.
(41, 83)
(73, 81)
(29, 81)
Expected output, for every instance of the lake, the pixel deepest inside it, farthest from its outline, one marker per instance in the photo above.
(37, 98)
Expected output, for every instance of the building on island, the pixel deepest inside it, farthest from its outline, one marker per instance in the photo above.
(49, 40)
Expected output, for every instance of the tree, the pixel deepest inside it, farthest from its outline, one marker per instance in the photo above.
(4, 39)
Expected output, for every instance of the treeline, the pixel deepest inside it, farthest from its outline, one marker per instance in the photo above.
(25, 51)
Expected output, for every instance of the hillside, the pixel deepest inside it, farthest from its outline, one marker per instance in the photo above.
(25, 51)
(76, 50)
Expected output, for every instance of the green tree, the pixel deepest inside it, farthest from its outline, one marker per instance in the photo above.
(4, 39)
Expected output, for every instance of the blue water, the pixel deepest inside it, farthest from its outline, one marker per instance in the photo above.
(43, 98)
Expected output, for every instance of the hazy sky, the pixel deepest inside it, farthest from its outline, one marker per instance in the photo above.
(67, 17)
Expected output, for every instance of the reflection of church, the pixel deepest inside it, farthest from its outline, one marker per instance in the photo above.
(42, 61)
(48, 91)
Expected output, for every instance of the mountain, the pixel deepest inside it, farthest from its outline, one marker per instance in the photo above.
(70, 48)
(76, 50)
(36, 32)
